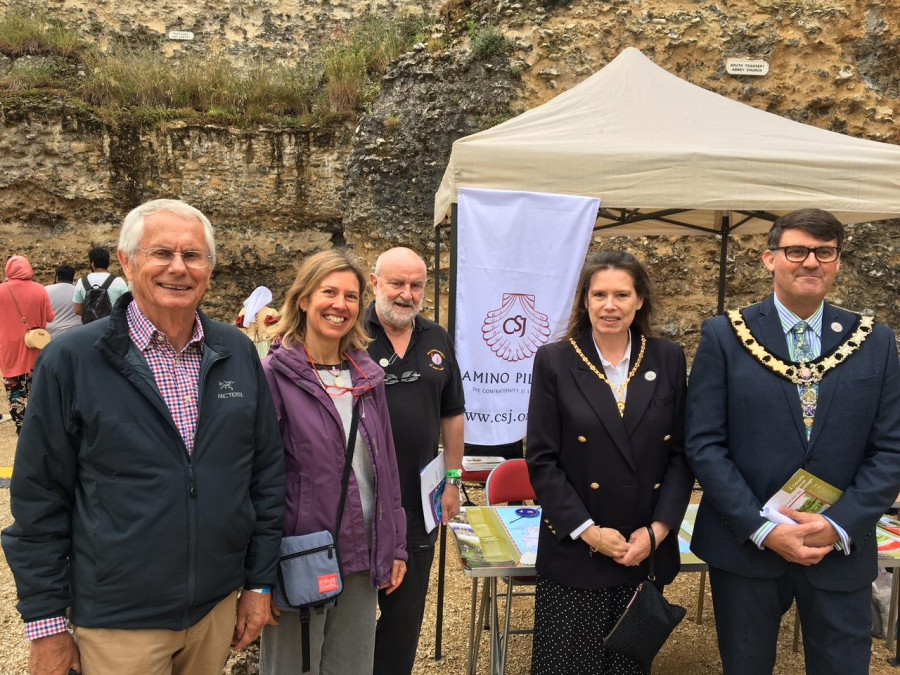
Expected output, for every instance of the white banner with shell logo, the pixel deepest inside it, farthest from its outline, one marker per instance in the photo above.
(518, 259)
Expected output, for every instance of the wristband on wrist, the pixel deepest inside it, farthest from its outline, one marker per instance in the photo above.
(454, 473)
(455, 482)
(262, 590)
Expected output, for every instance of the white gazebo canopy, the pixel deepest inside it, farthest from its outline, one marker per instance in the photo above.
(668, 157)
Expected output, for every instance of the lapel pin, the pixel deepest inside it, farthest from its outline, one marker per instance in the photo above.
(384, 363)
(836, 327)
(650, 376)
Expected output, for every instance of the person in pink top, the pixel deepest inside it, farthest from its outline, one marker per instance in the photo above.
(20, 296)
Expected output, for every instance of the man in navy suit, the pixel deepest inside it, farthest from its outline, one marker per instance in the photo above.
(794, 382)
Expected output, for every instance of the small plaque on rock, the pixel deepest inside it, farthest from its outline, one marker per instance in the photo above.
(746, 67)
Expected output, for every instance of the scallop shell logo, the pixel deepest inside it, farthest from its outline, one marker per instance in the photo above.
(516, 330)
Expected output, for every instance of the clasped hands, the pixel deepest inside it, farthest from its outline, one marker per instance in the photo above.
(628, 552)
(805, 543)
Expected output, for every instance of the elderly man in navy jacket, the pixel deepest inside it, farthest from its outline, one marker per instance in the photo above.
(148, 486)
(794, 382)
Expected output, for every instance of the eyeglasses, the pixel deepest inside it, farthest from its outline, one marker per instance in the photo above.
(407, 376)
(824, 254)
(163, 256)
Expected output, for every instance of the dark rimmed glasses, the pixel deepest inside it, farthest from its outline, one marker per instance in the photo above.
(798, 254)
(197, 260)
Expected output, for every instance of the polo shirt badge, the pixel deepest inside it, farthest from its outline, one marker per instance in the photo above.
(436, 359)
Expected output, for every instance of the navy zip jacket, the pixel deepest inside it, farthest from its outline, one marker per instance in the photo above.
(113, 520)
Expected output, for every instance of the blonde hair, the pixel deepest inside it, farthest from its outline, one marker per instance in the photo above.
(292, 325)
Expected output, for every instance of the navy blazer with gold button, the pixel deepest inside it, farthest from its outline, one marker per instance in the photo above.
(587, 462)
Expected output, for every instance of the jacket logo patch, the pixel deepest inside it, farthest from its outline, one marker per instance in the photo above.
(226, 390)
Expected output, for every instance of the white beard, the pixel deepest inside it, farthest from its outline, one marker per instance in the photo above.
(387, 312)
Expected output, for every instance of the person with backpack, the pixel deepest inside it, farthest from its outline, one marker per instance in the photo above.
(97, 292)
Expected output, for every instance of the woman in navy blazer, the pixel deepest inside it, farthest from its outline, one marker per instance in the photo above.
(605, 456)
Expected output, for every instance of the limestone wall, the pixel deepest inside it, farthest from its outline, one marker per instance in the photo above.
(277, 194)
(273, 196)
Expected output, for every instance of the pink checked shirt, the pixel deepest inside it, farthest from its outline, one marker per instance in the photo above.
(177, 376)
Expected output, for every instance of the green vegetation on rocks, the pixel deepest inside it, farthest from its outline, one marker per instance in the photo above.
(141, 85)
(33, 33)
(488, 41)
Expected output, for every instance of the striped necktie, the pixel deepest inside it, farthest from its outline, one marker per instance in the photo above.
(809, 391)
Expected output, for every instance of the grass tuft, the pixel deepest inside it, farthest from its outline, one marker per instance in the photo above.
(488, 41)
(24, 32)
(140, 83)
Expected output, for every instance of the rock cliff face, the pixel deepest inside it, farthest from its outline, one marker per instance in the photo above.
(277, 194)
(272, 195)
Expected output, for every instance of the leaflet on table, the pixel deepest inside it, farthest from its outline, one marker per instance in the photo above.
(686, 534)
(803, 492)
(475, 550)
(888, 537)
(523, 525)
(473, 463)
(471, 548)
(433, 478)
(483, 539)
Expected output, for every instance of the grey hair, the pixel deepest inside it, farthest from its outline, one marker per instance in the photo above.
(133, 226)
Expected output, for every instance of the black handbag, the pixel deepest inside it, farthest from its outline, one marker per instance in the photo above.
(309, 568)
(647, 622)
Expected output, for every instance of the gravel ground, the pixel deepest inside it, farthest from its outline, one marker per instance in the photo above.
(690, 651)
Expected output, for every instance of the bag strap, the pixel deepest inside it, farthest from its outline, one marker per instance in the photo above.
(345, 479)
(106, 284)
(86, 283)
(305, 659)
(18, 309)
(651, 572)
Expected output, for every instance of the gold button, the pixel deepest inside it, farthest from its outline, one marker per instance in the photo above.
(595, 486)
(667, 437)
(582, 439)
(656, 487)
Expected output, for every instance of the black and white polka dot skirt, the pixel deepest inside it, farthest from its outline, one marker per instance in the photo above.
(569, 627)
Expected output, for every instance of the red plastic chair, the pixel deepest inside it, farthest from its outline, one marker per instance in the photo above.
(508, 482)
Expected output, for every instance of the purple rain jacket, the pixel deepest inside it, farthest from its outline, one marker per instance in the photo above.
(314, 447)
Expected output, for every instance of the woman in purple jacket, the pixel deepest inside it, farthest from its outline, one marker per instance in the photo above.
(317, 373)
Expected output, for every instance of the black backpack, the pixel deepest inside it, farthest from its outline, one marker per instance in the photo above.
(96, 303)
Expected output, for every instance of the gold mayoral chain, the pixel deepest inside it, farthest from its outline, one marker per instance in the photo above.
(802, 373)
(619, 390)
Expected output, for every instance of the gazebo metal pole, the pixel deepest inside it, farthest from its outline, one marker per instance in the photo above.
(723, 259)
(451, 326)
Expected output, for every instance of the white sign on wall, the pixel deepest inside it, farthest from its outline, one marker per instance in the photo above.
(181, 35)
(746, 67)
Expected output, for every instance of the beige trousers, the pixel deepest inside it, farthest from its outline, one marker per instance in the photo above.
(201, 649)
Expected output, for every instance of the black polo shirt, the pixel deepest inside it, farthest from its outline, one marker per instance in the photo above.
(417, 404)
